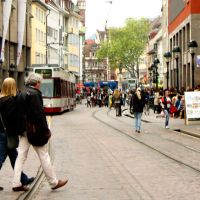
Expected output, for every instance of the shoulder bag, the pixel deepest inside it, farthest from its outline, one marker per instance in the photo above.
(12, 140)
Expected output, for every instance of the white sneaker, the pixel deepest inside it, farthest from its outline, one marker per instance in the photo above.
(167, 127)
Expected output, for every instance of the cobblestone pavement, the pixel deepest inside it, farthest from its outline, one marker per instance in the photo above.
(104, 164)
(6, 173)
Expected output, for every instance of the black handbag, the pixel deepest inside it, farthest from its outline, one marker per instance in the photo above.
(12, 140)
(35, 135)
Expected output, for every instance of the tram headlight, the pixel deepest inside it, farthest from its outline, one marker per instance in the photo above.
(48, 105)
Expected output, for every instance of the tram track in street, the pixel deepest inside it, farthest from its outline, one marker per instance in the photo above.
(137, 139)
(174, 130)
(39, 177)
(34, 187)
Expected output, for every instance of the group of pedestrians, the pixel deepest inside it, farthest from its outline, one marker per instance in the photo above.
(15, 108)
(166, 104)
(105, 97)
(140, 101)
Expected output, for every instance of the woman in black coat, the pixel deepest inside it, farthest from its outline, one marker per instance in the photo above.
(8, 112)
(137, 105)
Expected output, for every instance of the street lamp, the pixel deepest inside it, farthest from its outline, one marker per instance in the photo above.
(192, 45)
(120, 76)
(12, 69)
(150, 69)
(176, 51)
(120, 67)
(155, 66)
(153, 70)
(1, 66)
(167, 56)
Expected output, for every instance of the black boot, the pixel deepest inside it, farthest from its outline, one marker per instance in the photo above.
(1, 188)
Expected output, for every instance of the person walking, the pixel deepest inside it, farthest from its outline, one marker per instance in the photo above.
(166, 101)
(156, 103)
(137, 105)
(88, 101)
(110, 100)
(8, 114)
(117, 102)
(123, 98)
(31, 105)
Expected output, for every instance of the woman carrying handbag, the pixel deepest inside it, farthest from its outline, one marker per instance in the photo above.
(8, 128)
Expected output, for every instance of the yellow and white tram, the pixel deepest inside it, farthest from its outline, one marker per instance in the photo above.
(58, 88)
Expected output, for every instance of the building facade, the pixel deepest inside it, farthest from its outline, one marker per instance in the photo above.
(82, 9)
(15, 45)
(40, 32)
(155, 51)
(39, 11)
(183, 27)
(95, 70)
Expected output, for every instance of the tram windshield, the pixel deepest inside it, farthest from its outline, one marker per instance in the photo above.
(47, 88)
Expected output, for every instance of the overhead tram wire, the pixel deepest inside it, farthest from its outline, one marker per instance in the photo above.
(107, 35)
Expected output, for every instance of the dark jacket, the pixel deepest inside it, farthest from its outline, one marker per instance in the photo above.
(9, 114)
(30, 107)
(137, 104)
(35, 111)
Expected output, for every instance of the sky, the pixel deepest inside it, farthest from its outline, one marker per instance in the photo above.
(115, 13)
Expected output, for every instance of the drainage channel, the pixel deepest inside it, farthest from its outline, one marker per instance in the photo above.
(131, 116)
(187, 133)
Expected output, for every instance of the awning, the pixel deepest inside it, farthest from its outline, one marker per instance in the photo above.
(89, 84)
(112, 84)
(103, 83)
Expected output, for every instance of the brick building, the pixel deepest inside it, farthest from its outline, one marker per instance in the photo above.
(95, 70)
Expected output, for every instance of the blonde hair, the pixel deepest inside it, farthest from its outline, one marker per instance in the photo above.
(116, 93)
(8, 87)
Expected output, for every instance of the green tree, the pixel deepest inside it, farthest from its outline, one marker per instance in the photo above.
(126, 44)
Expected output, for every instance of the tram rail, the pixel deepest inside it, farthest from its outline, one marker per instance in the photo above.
(175, 130)
(40, 175)
(34, 187)
(179, 161)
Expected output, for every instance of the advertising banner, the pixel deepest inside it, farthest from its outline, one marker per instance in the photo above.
(6, 17)
(198, 60)
(21, 25)
(192, 104)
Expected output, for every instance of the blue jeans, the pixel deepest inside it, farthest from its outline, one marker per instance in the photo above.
(166, 117)
(12, 154)
(138, 116)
